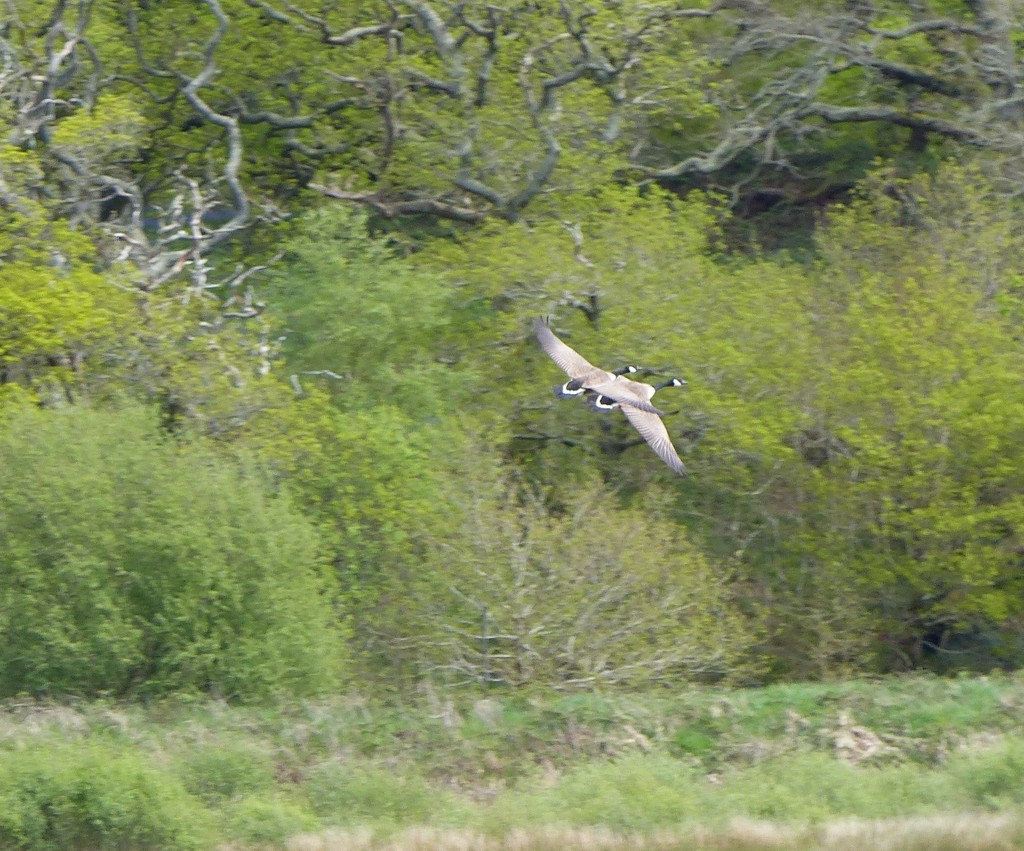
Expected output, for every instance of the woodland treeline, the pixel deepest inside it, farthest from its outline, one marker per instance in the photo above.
(272, 419)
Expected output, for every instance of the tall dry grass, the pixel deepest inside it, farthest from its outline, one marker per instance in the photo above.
(957, 832)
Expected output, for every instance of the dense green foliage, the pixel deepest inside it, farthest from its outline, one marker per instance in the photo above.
(274, 426)
(267, 382)
(136, 565)
(90, 795)
(851, 423)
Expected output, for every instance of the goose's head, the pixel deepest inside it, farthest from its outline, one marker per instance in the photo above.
(672, 382)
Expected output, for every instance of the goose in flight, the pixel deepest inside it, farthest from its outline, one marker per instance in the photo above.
(606, 403)
(613, 390)
(650, 426)
(584, 376)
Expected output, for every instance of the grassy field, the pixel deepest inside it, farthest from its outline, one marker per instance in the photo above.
(899, 763)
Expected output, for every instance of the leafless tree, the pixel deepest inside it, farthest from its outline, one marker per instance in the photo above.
(789, 80)
(484, 99)
(161, 234)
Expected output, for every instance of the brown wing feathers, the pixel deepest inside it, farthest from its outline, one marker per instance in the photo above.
(652, 429)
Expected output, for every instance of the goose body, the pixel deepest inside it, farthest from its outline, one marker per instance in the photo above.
(611, 390)
(606, 403)
(563, 391)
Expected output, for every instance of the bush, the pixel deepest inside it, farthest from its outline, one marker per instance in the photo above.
(993, 777)
(133, 564)
(346, 794)
(268, 820)
(816, 786)
(539, 597)
(217, 772)
(633, 793)
(91, 796)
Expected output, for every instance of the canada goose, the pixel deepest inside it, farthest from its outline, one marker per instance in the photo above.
(611, 391)
(650, 426)
(584, 376)
(605, 403)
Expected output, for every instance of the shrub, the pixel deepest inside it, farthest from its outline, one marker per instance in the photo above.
(132, 564)
(91, 796)
(217, 772)
(993, 777)
(817, 786)
(546, 597)
(268, 820)
(346, 794)
(633, 793)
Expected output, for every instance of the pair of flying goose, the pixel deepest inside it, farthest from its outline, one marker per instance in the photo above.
(613, 390)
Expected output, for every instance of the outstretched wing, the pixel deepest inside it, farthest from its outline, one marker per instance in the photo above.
(653, 430)
(569, 360)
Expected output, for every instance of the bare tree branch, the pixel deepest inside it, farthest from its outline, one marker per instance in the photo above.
(771, 130)
(228, 123)
(413, 206)
(940, 126)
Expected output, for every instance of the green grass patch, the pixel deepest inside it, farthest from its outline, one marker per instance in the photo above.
(184, 774)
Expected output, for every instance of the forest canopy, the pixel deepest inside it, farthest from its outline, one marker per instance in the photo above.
(268, 270)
